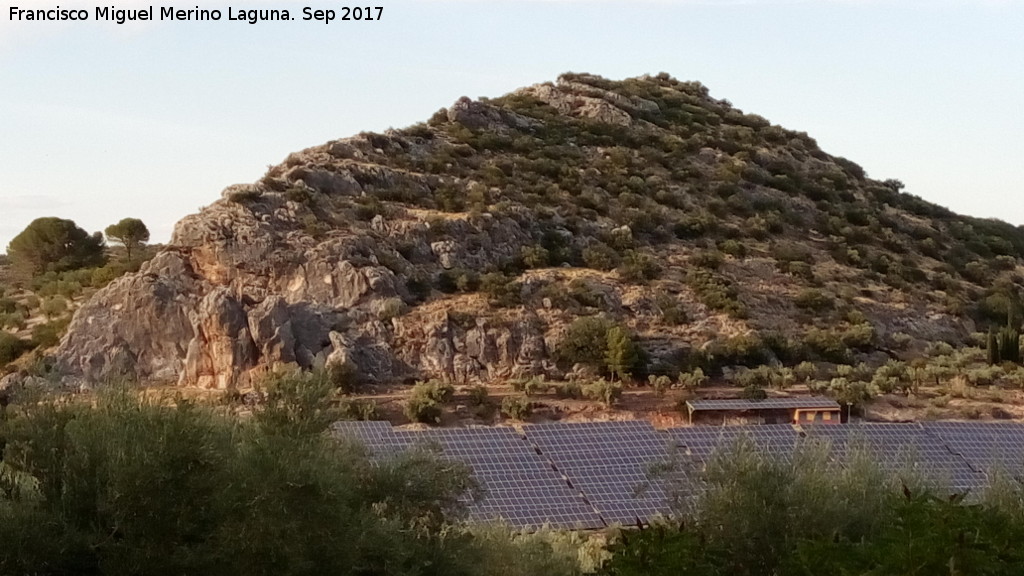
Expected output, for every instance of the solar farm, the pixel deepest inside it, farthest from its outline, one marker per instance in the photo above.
(596, 474)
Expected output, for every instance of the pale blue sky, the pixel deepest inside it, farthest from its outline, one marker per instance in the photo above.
(99, 122)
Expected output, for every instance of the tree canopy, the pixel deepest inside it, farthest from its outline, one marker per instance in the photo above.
(54, 245)
(129, 232)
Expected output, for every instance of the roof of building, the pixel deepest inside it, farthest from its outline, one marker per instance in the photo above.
(793, 403)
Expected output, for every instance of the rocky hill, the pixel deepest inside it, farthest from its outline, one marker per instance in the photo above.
(466, 247)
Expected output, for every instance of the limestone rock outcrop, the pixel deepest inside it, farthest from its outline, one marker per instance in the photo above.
(464, 247)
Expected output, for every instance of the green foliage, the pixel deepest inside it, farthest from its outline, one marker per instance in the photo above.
(358, 409)
(600, 256)
(1004, 346)
(107, 487)
(672, 312)
(716, 292)
(758, 515)
(753, 392)
(638, 267)
(501, 290)
(343, 376)
(296, 403)
(391, 308)
(621, 354)
(130, 233)
(814, 300)
(805, 372)
(585, 342)
(837, 344)
(517, 407)
(426, 399)
(11, 348)
(53, 307)
(599, 343)
(692, 380)
(602, 390)
(55, 245)
(48, 334)
(478, 395)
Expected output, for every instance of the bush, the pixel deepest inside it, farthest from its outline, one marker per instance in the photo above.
(605, 391)
(48, 334)
(478, 395)
(733, 248)
(814, 300)
(827, 345)
(11, 348)
(600, 256)
(501, 290)
(571, 389)
(710, 259)
(121, 484)
(638, 267)
(535, 256)
(585, 342)
(425, 400)
(516, 407)
(362, 409)
(391, 308)
(671, 311)
(344, 376)
(716, 292)
(692, 380)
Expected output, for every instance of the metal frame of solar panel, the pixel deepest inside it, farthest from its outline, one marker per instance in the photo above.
(610, 463)
(987, 446)
(900, 447)
(520, 487)
(766, 404)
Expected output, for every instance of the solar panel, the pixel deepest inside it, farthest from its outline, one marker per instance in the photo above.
(701, 442)
(610, 463)
(902, 449)
(988, 447)
(379, 437)
(811, 402)
(520, 488)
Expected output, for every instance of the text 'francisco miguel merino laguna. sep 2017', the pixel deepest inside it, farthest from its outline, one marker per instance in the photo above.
(196, 14)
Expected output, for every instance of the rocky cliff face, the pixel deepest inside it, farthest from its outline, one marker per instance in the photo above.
(462, 248)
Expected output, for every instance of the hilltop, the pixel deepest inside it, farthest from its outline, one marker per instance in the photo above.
(468, 248)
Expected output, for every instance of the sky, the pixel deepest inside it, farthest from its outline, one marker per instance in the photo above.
(100, 121)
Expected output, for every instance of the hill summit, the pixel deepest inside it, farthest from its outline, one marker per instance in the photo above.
(638, 226)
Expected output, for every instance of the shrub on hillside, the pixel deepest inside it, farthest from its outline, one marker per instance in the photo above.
(516, 407)
(600, 256)
(11, 348)
(425, 401)
(638, 267)
(585, 342)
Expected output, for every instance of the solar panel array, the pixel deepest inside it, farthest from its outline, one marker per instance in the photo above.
(520, 488)
(611, 464)
(588, 475)
(379, 438)
(812, 402)
(700, 442)
(987, 447)
(904, 450)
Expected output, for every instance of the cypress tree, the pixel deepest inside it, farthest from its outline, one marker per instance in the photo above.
(993, 347)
